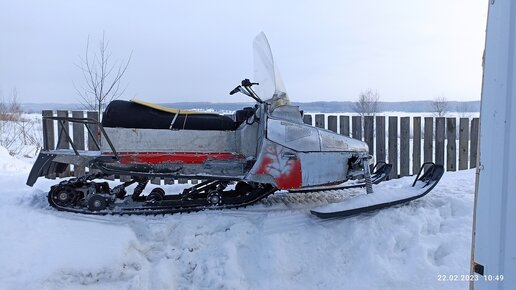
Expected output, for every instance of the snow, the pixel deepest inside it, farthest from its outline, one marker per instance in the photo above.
(275, 244)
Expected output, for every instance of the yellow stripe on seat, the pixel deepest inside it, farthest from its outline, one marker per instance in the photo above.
(169, 110)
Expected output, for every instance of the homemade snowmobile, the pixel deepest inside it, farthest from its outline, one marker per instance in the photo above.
(240, 160)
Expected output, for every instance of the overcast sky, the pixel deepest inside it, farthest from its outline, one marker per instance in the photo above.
(200, 50)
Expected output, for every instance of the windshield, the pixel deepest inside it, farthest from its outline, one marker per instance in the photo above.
(266, 73)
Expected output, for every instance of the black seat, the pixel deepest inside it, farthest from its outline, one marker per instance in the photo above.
(125, 114)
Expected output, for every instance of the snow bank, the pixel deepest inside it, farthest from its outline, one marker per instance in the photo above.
(276, 244)
(10, 163)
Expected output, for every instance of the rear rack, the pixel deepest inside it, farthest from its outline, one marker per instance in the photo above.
(63, 129)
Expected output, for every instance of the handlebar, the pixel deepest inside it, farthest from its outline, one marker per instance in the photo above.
(235, 90)
(248, 83)
(246, 89)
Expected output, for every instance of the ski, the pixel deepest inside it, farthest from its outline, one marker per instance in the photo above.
(422, 185)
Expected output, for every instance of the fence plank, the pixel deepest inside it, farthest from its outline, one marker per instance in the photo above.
(463, 143)
(393, 146)
(356, 127)
(78, 141)
(48, 135)
(62, 141)
(429, 139)
(319, 120)
(48, 131)
(439, 140)
(124, 178)
(416, 146)
(380, 139)
(344, 125)
(155, 180)
(474, 143)
(307, 119)
(332, 123)
(63, 131)
(369, 132)
(451, 147)
(94, 130)
(404, 146)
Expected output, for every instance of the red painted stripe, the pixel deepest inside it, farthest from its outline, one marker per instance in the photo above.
(174, 157)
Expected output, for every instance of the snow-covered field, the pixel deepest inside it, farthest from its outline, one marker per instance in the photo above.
(276, 244)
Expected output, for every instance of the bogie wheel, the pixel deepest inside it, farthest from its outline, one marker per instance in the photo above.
(63, 195)
(157, 194)
(214, 197)
(97, 202)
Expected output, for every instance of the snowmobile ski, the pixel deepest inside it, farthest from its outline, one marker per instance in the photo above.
(422, 185)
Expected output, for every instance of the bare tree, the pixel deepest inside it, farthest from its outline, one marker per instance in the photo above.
(367, 103)
(10, 108)
(440, 106)
(18, 134)
(464, 110)
(102, 76)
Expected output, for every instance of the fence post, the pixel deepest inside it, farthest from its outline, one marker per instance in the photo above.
(380, 138)
(344, 125)
(78, 141)
(369, 132)
(393, 146)
(439, 140)
(307, 119)
(416, 146)
(48, 130)
(332, 123)
(356, 127)
(463, 143)
(451, 148)
(62, 141)
(62, 131)
(404, 146)
(474, 143)
(429, 138)
(319, 120)
(95, 131)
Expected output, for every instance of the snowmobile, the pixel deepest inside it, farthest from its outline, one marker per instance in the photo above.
(239, 160)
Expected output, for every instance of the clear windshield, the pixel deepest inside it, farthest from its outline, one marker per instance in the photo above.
(266, 73)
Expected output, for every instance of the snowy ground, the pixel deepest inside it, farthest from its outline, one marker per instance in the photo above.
(276, 244)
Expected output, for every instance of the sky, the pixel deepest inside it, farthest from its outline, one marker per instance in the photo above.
(199, 50)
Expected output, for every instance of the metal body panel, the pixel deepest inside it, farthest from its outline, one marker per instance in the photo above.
(320, 168)
(301, 137)
(297, 155)
(298, 137)
(278, 165)
(288, 113)
(247, 139)
(331, 141)
(158, 140)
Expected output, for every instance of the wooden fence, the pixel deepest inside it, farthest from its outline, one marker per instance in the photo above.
(405, 142)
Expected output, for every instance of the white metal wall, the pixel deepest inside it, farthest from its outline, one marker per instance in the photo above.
(495, 212)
